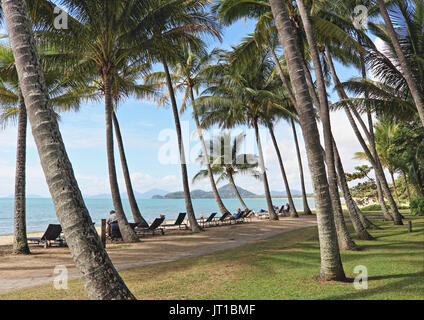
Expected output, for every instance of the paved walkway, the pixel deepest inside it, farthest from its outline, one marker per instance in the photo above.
(17, 272)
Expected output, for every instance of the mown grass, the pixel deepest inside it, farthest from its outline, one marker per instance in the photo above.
(282, 267)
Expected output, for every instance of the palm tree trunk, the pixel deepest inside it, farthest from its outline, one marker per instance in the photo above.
(365, 222)
(306, 210)
(373, 160)
(386, 214)
(394, 187)
(384, 186)
(286, 85)
(271, 211)
(406, 186)
(345, 240)
(138, 218)
(331, 264)
(101, 280)
(293, 212)
(218, 199)
(233, 184)
(354, 217)
(20, 242)
(187, 196)
(128, 234)
(406, 70)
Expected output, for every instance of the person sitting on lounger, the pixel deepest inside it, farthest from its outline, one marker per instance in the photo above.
(286, 208)
(237, 214)
(112, 220)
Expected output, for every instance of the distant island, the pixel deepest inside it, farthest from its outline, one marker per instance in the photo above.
(226, 192)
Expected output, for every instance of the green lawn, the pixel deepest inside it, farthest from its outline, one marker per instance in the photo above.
(282, 267)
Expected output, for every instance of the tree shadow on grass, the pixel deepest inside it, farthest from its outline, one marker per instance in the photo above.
(393, 287)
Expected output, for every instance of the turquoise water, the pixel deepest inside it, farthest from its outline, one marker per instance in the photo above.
(40, 212)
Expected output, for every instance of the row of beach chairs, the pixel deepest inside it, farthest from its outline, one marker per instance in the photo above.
(53, 234)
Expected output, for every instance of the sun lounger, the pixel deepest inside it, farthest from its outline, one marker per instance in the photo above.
(51, 236)
(179, 222)
(223, 219)
(209, 220)
(152, 228)
(239, 218)
(248, 215)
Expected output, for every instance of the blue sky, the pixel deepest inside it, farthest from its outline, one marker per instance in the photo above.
(146, 129)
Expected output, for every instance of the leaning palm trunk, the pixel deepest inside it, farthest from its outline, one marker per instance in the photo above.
(20, 242)
(292, 210)
(271, 211)
(218, 199)
(406, 70)
(354, 217)
(100, 277)
(128, 234)
(138, 218)
(306, 209)
(331, 264)
(233, 184)
(394, 187)
(372, 158)
(364, 220)
(405, 179)
(286, 85)
(386, 213)
(189, 206)
(345, 240)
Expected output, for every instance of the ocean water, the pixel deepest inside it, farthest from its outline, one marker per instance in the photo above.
(40, 212)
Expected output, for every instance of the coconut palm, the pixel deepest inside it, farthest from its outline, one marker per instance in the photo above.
(227, 161)
(280, 109)
(240, 95)
(99, 37)
(187, 75)
(306, 209)
(345, 240)
(341, 16)
(65, 95)
(179, 26)
(125, 84)
(384, 133)
(331, 265)
(101, 279)
(417, 6)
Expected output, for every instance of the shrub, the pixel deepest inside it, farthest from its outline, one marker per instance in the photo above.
(377, 207)
(417, 206)
(372, 207)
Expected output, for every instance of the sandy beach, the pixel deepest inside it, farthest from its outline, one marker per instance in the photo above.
(18, 272)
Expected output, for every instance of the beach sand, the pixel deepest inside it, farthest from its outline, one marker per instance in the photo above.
(18, 271)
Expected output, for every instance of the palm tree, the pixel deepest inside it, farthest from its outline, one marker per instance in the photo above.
(381, 182)
(331, 265)
(179, 26)
(240, 95)
(273, 113)
(124, 85)
(306, 209)
(101, 35)
(403, 61)
(64, 94)
(346, 242)
(227, 162)
(340, 15)
(101, 279)
(187, 75)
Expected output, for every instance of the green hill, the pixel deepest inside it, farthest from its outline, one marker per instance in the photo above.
(225, 192)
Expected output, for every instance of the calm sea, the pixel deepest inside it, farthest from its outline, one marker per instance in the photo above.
(40, 212)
